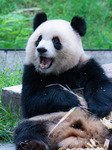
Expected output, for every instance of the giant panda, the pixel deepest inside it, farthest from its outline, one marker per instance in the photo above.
(55, 64)
(74, 132)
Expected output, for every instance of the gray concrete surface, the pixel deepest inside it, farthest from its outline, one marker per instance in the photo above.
(11, 99)
(15, 59)
(11, 59)
(7, 146)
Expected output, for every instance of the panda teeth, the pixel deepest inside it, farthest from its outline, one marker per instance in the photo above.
(45, 62)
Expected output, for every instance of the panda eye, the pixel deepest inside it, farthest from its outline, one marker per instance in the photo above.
(39, 39)
(56, 43)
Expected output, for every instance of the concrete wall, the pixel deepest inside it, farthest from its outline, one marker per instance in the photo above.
(15, 58)
(11, 59)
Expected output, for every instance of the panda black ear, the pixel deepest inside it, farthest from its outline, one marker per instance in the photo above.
(38, 19)
(79, 24)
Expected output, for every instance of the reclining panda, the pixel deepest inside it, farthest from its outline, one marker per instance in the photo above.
(55, 60)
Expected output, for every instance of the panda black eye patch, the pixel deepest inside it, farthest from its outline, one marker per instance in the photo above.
(39, 39)
(56, 43)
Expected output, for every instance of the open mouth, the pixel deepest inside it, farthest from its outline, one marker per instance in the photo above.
(45, 62)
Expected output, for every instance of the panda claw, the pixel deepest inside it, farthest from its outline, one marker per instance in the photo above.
(24, 145)
(32, 145)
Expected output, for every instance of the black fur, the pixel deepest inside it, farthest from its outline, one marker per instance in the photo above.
(39, 98)
(79, 25)
(56, 43)
(39, 18)
(38, 41)
(30, 135)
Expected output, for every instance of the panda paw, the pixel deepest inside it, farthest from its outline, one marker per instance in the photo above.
(32, 145)
(100, 110)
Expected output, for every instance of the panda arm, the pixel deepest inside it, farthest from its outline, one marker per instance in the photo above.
(97, 88)
(39, 99)
(47, 100)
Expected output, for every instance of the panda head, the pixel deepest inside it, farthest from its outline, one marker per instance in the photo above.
(55, 45)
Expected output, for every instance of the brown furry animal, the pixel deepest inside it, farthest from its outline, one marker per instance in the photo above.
(75, 131)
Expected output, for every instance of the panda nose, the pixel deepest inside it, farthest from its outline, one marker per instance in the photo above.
(41, 50)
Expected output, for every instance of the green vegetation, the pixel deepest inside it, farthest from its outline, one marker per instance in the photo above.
(15, 29)
(8, 77)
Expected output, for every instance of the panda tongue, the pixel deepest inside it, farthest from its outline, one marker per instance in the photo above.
(45, 62)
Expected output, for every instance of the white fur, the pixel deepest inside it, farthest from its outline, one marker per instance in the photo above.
(64, 59)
